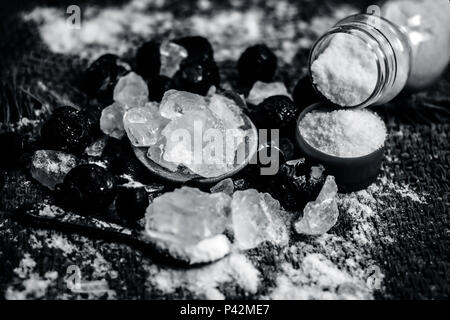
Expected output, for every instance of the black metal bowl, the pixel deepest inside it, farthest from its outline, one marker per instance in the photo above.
(351, 173)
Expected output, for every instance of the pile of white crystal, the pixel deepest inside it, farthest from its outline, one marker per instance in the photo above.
(190, 224)
(204, 134)
(131, 91)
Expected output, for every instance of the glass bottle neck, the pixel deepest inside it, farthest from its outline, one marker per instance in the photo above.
(389, 46)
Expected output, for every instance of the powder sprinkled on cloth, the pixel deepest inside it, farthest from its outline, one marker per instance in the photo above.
(344, 133)
(346, 71)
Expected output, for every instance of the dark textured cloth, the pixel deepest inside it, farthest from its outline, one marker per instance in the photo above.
(415, 264)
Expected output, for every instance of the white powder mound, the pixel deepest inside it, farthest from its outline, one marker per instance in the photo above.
(205, 281)
(346, 71)
(344, 133)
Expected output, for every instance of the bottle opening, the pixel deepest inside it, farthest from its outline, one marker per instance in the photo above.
(345, 67)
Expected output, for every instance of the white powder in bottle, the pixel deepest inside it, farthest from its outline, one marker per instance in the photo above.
(343, 133)
(346, 71)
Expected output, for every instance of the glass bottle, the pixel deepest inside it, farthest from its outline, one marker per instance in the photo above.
(411, 49)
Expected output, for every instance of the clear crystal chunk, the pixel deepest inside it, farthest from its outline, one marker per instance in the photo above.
(171, 56)
(225, 186)
(257, 217)
(111, 120)
(321, 215)
(176, 103)
(50, 167)
(131, 90)
(189, 214)
(143, 125)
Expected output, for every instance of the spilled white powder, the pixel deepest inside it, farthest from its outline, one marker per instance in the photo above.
(343, 133)
(111, 29)
(206, 281)
(118, 29)
(318, 278)
(346, 71)
(32, 286)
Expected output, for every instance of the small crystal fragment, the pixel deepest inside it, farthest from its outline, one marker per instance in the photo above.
(143, 125)
(257, 217)
(176, 103)
(321, 215)
(171, 56)
(225, 186)
(262, 90)
(188, 214)
(97, 147)
(131, 91)
(111, 120)
(50, 167)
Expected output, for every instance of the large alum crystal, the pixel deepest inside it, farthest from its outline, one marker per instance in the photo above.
(262, 90)
(321, 215)
(188, 214)
(131, 90)
(176, 103)
(171, 56)
(143, 125)
(50, 167)
(203, 134)
(257, 217)
(111, 120)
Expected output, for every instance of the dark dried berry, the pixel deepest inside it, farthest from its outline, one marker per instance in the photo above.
(122, 160)
(198, 48)
(302, 179)
(93, 113)
(196, 76)
(257, 63)
(12, 146)
(148, 60)
(102, 75)
(88, 187)
(158, 86)
(288, 148)
(276, 112)
(131, 202)
(304, 94)
(68, 130)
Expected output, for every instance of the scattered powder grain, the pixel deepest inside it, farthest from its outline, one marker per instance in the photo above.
(346, 71)
(344, 133)
(206, 281)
